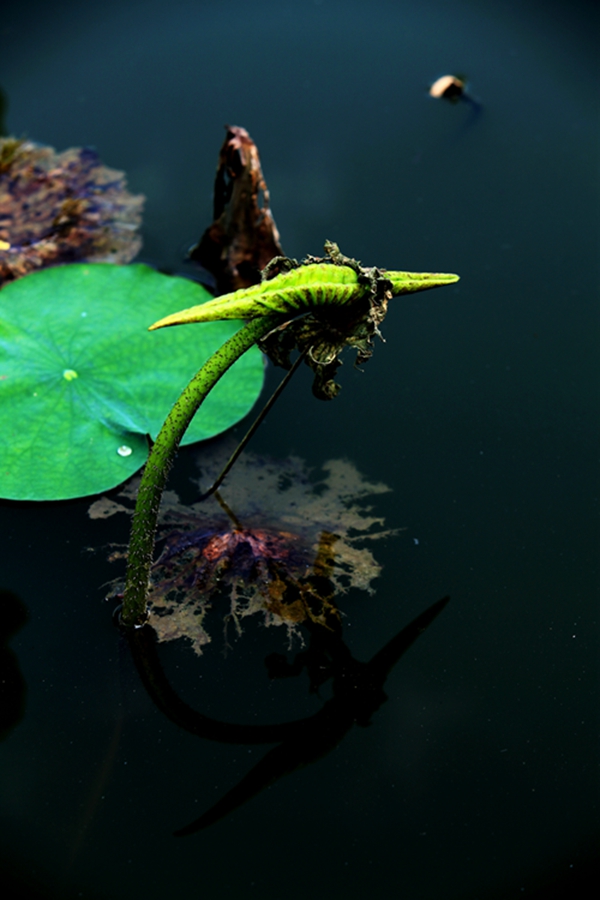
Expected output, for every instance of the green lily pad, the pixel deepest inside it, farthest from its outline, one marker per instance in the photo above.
(83, 381)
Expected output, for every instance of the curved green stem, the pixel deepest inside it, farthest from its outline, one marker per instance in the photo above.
(251, 431)
(156, 470)
(356, 300)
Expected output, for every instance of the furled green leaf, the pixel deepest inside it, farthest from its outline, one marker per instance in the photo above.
(83, 381)
(335, 302)
(304, 288)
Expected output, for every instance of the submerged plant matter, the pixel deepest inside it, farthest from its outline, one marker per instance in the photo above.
(276, 543)
(62, 207)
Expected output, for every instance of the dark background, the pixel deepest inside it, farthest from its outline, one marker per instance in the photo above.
(478, 778)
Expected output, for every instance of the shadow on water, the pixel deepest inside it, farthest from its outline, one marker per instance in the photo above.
(357, 695)
(455, 90)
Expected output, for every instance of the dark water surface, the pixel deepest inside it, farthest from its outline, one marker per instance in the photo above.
(478, 777)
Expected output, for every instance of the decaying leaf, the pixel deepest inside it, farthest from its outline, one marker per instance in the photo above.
(275, 542)
(59, 208)
(243, 237)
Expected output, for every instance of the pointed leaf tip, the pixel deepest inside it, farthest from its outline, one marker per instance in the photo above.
(218, 309)
(409, 282)
(294, 291)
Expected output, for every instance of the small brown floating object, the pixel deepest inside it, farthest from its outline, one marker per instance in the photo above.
(448, 86)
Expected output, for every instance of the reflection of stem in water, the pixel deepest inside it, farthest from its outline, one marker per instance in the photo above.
(357, 694)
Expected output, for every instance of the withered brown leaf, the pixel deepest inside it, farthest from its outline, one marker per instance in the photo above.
(243, 237)
(277, 543)
(60, 208)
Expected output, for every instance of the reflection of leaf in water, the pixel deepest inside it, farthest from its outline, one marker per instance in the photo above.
(279, 544)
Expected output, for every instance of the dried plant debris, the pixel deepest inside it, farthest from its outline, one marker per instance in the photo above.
(448, 87)
(62, 207)
(325, 333)
(243, 237)
(275, 542)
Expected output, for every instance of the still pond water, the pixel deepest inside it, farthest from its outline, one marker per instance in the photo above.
(478, 777)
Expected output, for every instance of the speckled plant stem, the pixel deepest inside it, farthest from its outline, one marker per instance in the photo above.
(156, 470)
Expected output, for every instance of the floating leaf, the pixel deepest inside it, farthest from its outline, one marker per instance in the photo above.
(83, 381)
(65, 207)
(274, 542)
